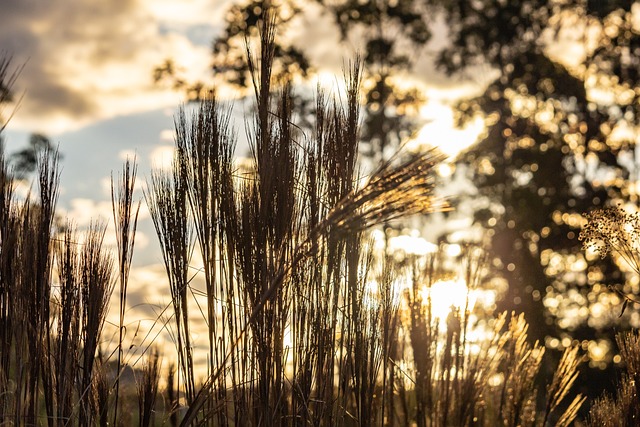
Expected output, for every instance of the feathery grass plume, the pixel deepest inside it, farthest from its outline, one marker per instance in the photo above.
(19, 268)
(125, 219)
(100, 392)
(613, 411)
(565, 375)
(513, 403)
(423, 338)
(68, 324)
(392, 192)
(147, 389)
(96, 286)
(518, 394)
(384, 287)
(330, 176)
(35, 286)
(9, 229)
(8, 244)
(623, 409)
(167, 201)
(317, 355)
(49, 181)
(374, 339)
(450, 381)
(264, 234)
(208, 144)
(266, 231)
(79, 381)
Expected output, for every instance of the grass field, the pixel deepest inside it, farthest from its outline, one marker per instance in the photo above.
(307, 324)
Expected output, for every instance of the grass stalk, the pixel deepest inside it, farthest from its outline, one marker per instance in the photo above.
(148, 389)
(125, 218)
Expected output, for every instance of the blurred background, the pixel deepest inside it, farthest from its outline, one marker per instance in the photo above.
(536, 103)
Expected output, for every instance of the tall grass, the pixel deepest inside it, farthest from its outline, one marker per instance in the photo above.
(148, 390)
(297, 332)
(307, 323)
(125, 218)
(55, 292)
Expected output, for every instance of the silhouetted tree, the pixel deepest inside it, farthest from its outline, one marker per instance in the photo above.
(229, 50)
(554, 148)
(387, 30)
(549, 139)
(241, 24)
(25, 161)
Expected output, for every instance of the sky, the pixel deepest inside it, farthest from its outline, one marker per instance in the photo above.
(86, 82)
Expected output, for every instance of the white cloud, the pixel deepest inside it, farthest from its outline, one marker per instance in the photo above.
(162, 156)
(167, 135)
(188, 11)
(127, 154)
(83, 211)
(86, 60)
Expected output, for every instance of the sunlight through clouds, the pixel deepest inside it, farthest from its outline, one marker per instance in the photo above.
(411, 245)
(447, 294)
(440, 131)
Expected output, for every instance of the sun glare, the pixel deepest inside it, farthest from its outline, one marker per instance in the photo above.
(447, 294)
(441, 131)
(411, 245)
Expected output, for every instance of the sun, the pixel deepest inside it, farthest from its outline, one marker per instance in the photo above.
(447, 294)
(441, 131)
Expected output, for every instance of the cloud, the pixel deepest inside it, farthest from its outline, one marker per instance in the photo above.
(83, 212)
(162, 157)
(87, 60)
(189, 12)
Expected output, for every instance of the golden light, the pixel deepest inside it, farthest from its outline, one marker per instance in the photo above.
(411, 244)
(599, 351)
(441, 131)
(447, 294)
(496, 380)
(453, 250)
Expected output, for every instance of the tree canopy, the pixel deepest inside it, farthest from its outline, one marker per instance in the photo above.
(553, 149)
